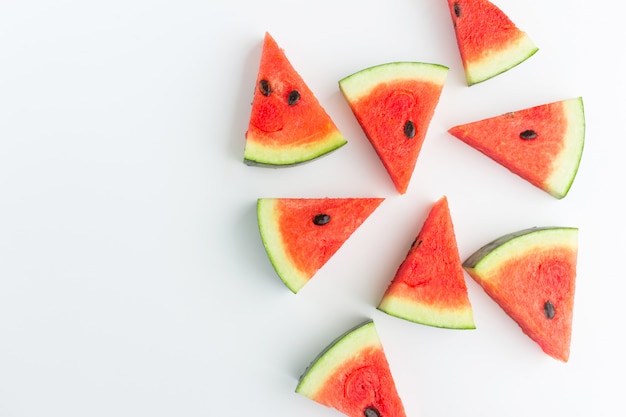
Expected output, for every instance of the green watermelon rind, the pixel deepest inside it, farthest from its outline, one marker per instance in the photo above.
(256, 154)
(498, 251)
(271, 238)
(496, 62)
(462, 319)
(342, 349)
(566, 164)
(360, 83)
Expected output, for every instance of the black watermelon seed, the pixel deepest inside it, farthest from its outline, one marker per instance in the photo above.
(293, 98)
(528, 134)
(548, 309)
(371, 412)
(457, 9)
(416, 242)
(409, 129)
(321, 219)
(265, 88)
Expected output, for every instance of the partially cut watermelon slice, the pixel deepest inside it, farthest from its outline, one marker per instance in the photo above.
(489, 42)
(353, 376)
(531, 274)
(542, 144)
(287, 124)
(394, 104)
(429, 286)
(301, 234)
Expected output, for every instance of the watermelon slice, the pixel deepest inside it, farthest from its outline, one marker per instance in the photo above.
(394, 104)
(429, 286)
(300, 234)
(531, 274)
(287, 124)
(489, 42)
(353, 376)
(541, 144)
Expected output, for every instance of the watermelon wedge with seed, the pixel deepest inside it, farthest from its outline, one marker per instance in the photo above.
(542, 144)
(352, 375)
(488, 41)
(301, 234)
(394, 104)
(531, 274)
(288, 125)
(429, 286)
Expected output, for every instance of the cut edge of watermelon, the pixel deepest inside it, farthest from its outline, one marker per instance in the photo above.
(462, 318)
(343, 348)
(565, 166)
(258, 154)
(271, 238)
(360, 83)
(496, 62)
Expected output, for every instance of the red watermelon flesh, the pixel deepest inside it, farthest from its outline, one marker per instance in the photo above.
(287, 124)
(353, 376)
(429, 286)
(394, 104)
(488, 41)
(542, 144)
(301, 234)
(531, 274)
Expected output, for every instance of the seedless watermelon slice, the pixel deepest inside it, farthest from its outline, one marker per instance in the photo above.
(429, 286)
(287, 124)
(394, 104)
(531, 274)
(353, 376)
(301, 234)
(541, 144)
(489, 42)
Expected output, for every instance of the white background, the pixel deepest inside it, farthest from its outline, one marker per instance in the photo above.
(133, 281)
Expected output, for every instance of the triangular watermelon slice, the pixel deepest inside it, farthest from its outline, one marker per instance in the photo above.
(394, 104)
(287, 124)
(429, 286)
(353, 376)
(542, 144)
(531, 274)
(301, 234)
(489, 42)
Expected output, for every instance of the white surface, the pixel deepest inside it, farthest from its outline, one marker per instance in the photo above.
(132, 277)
